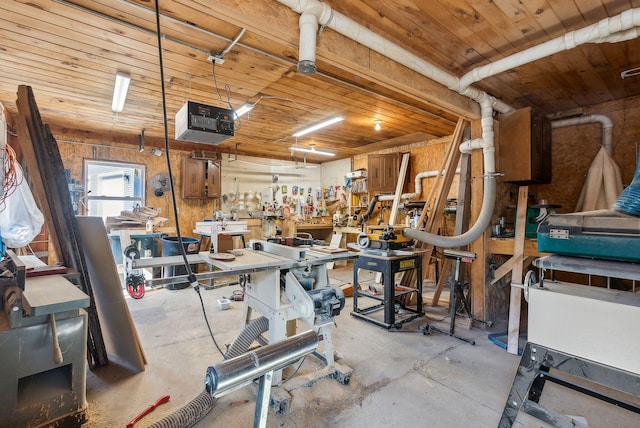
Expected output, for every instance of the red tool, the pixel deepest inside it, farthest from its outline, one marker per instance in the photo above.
(148, 410)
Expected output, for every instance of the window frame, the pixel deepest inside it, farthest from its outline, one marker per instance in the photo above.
(90, 196)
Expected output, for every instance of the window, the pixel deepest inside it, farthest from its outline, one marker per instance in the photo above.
(113, 187)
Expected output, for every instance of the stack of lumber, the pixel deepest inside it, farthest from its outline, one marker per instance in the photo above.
(135, 219)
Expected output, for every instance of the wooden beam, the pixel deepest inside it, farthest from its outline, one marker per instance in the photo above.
(401, 176)
(43, 159)
(416, 137)
(516, 273)
(339, 51)
(507, 267)
(478, 269)
(506, 246)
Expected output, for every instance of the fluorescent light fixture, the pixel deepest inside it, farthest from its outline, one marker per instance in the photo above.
(312, 150)
(244, 109)
(120, 91)
(317, 126)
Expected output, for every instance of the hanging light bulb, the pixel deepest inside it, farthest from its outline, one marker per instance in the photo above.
(377, 126)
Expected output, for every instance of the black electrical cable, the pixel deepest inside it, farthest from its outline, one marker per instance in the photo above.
(191, 277)
(215, 81)
(295, 372)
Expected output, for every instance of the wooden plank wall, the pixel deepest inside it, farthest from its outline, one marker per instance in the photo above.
(190, 210)
(425, 156)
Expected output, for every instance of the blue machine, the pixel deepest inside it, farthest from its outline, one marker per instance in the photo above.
(600, 234)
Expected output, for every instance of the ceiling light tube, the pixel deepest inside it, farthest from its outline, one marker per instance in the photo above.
(120, 89)
(317, 126)
(312, 151)
(244, 109)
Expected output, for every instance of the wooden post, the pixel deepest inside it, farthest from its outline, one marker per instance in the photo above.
(516, 273)
(449, 166)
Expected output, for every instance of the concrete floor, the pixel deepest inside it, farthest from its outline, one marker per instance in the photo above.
(399, 379)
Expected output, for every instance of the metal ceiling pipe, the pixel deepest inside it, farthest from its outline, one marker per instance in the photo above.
(609, 30)
(607, 126)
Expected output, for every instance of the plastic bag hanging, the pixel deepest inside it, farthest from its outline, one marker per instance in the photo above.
(21, 220)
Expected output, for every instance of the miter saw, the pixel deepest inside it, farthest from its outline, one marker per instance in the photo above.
(383, 238)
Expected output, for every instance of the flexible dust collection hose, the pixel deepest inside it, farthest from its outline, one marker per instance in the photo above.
(196, 409)
(367, 214)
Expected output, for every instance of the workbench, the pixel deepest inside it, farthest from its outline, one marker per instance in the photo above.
(388, 266)
(221, 235)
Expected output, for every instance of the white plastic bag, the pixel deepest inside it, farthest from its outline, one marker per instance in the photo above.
(21, 220)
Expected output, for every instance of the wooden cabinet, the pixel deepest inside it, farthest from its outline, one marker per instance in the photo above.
(201, 178)
(383, 172)
(524, 147)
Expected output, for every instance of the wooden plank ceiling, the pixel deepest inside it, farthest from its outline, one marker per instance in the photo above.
(69, 52)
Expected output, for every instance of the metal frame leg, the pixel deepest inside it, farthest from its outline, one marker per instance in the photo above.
(325, 331)
(534, 371)
(262, 400)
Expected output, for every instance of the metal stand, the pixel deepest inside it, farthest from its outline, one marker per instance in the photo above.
(388, 266)
(534, 371)
(240, 371)
(456, 293)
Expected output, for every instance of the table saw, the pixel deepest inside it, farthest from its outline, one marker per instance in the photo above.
(285, 284)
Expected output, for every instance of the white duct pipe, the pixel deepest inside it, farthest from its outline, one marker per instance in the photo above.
(488, 198)
(312, 14)
(341, 24)
(345, 26)
(603, 31)
(608, 30)
(607, 126)
(418, 185)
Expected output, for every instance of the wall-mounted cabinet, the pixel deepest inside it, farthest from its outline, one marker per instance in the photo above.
(524, 147)
(201, 178)
(383, 172)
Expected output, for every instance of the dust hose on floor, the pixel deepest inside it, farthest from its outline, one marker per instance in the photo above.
(192, 412)
(189, 414)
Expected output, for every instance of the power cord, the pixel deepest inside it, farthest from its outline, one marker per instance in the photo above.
(191, 277)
